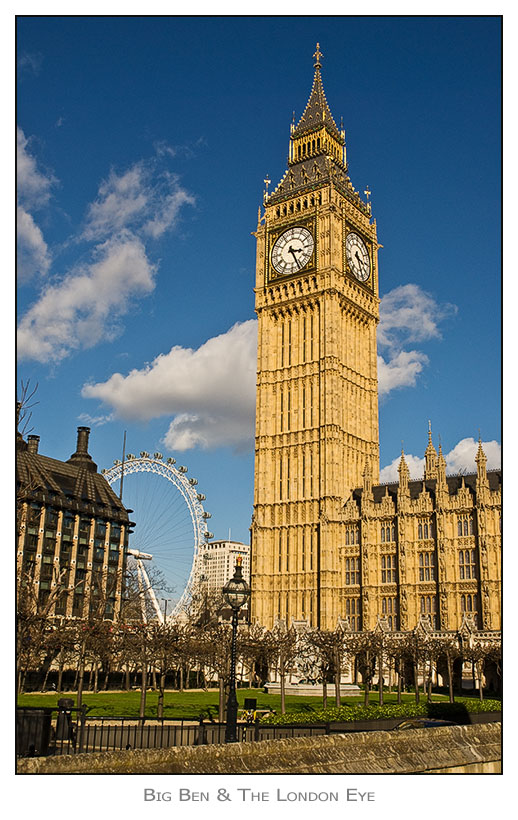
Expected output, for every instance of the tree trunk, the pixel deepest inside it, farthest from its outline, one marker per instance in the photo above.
(450, 677)
(324, 691)
(127, 676)
(338, 675)
(143, 690)
(221, 712)
(161, 689)
(45, 679)
(181, 678)
(96, 677)
(367, 680)
(480, 672)
(399, 680)
(60, 676)
(80, 677)
(283, 691)
(380, 677)
(416, 681)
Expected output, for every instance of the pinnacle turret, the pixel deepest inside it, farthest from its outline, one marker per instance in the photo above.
(441, 470)
(404, 472)
(430, 457)
(481, 461)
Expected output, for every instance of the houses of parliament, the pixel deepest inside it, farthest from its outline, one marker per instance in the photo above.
(329, 542)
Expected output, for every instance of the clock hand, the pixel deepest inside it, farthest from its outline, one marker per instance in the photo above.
(293, 251)
(361, 261)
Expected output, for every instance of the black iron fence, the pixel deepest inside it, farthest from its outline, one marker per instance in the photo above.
(46, 731)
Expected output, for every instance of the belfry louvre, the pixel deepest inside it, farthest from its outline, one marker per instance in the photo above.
(329, 543)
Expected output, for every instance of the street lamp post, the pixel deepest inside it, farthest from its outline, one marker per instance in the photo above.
(235, 593)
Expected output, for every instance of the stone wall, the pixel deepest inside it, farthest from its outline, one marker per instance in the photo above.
(434, 750)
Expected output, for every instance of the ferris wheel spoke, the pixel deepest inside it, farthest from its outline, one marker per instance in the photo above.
(170, 522)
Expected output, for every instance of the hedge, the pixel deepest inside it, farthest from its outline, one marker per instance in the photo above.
(437, 709)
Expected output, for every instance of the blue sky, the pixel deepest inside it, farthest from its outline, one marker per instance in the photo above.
(143, 144)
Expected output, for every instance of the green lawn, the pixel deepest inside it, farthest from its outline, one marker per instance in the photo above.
(189, 704)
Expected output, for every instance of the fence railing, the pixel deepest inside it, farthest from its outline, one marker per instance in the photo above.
(46, 731)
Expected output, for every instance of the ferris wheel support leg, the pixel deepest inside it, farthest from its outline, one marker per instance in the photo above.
(140, 572)
(152, 595)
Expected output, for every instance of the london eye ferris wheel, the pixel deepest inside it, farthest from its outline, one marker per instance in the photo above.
(171, 527)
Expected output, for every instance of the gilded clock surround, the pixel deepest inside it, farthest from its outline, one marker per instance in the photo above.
(273, 235)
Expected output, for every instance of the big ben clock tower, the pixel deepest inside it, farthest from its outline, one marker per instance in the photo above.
(317, 389)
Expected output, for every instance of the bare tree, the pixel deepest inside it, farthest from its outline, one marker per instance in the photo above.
(283, 646)
(24, 406)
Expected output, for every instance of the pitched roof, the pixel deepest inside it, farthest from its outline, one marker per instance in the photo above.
(317, 111)
(72, 483)
(454, 483)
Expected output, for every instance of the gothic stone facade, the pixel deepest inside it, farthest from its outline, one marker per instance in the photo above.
(327, 541)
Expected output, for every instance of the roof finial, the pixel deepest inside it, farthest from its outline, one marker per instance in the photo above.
(318, 55)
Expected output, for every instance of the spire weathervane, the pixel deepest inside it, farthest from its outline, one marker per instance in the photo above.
(318, 55)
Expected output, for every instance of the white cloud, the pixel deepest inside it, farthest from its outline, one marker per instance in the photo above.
(140, 199)
(80, 311)
(33, 186)
(461, 459)
(33, 255)
(95, 421)
(33, 192)
(400, 371)
(82, 308)
(415, 465)
(209, 391)
(409, 314)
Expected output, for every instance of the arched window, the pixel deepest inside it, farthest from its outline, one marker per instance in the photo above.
(420, 531)
(426, 530)
(459, 527)
(382, 534)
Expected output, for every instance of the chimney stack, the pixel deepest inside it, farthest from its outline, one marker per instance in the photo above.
(32, 444)
(81, 457)
(83, 434)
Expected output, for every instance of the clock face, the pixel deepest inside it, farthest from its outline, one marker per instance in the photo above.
(292, 250)
(357, 256)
